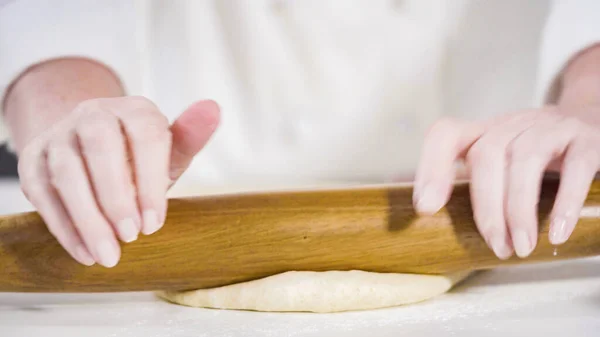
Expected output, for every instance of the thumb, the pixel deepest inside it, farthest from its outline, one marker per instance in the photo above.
(190, 132)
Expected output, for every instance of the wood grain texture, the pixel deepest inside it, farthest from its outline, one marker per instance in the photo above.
(214, 241)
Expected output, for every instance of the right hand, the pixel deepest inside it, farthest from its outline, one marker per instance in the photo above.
(102, 173)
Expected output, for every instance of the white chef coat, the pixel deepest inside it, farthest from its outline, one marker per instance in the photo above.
(311, 89)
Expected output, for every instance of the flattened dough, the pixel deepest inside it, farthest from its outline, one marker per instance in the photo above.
(331, 291)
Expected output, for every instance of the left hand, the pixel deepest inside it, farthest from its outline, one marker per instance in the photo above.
(507, 158)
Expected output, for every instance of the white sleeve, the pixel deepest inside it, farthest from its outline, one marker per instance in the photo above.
(33, 31)
(572, 26)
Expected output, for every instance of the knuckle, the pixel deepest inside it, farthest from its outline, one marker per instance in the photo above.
(56, 158)
(30, 155)
(26, 168)
(89, 107)
(98, 134)
(521, 149)
(583, 157)
(142, 108)
(144, 122)
(483, 151)
(149, 130)
(141, 102)
(573, 124)
(60, 162)
(476, 153)
(36, 145)
(116, 106)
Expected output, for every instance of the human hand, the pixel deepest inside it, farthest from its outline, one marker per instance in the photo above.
(104, 170)
(506, 158)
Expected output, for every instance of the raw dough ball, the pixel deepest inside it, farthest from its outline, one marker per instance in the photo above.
(330, 291)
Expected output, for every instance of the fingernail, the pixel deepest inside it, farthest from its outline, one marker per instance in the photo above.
(500, 248)
(83, 256)
(522, 243)
(151, 222)
(107, 254)
(559, 231)
(427, 201)
(128, 230)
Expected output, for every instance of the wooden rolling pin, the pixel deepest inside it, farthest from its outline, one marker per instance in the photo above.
(215, 241)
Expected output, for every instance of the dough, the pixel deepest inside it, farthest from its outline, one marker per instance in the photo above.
(331, 291)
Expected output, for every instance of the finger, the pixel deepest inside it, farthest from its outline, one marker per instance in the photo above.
(104, 150)
(487, 199)
(487, 160)
(191, 131)
(529, 155)
(69, 177)
(149, 140)
(446, 141)
(36, 186)
(521, 199)
(578, 170)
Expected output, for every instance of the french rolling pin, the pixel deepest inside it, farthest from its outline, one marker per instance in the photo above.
(215, 241)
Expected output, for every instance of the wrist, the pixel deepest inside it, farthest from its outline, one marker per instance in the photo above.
(45, 93)
(581, 79)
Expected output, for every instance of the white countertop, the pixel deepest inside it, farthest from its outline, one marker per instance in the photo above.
(559, 299)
